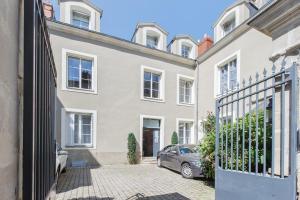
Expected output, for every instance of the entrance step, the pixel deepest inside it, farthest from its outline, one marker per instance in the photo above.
(149, 160)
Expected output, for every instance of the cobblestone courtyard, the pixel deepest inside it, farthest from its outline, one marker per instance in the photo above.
(122, 182)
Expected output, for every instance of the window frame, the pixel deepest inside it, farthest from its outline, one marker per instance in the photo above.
(230, 21)
(192, 133)
(66, 53)
(189, 52)
(185, 78)
(161, 84)
(65, 129)
(152, 37)
(83, 14)
(235, 56)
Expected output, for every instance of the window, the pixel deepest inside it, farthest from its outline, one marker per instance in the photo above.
(185, 91)
(151, 85)
(81, 20)
(185, 131)
(228, 26)
(228, 76)
(80, 129)
(152, 41)
(79, 73)
(185, 51)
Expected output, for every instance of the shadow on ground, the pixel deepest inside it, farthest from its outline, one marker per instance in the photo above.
(140, 196)
(79, 162)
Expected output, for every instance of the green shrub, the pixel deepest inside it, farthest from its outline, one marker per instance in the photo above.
(207, 146)
(174, 139)
(131, 155)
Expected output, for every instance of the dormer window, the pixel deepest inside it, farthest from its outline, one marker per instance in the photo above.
(81, 20)
(228, 26)
(185, 51)
(152, 42)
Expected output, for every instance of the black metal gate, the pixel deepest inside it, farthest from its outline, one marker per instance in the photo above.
(256, 138)
(39, 105)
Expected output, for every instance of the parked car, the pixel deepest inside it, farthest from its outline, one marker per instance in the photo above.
(61, 160)
(182, 158)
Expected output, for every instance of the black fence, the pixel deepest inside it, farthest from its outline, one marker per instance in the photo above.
(39, 105)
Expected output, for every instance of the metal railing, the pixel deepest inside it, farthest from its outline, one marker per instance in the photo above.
(39, 148)
(256, 138)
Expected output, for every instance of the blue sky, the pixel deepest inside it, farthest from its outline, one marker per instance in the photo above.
(193, 17)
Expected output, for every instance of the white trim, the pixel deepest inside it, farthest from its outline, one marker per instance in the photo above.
(189, 78)
(187, 42)
(64, 112)
(65, 54)
(161, 84)
(236, 55)
(192, 128)
(162, 130)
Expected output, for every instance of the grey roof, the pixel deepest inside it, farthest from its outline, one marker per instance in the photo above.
(88, 2)
(183, 36)
(151, 24)
(236, 3)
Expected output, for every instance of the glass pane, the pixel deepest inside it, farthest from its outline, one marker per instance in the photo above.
(86, 64)
(147, 84)
(86, 84)
(185, 51)
(181, 99)
(73, 72)
(152, 41)
(80, 20)
(147, 93)
(155, 77)
(224, 78)
(86, 119)
(86, 129)
(233, 74)
(155, 85)
(155, 94)
(147, 76)
(86, 139)
(76, 129)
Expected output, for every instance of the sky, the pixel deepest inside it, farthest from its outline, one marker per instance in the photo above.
(192, 17)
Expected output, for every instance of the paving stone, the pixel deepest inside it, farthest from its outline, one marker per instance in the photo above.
(125, 182)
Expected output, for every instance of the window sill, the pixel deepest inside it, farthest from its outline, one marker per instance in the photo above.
(153, 100)
(79, 147)
(80, 91)
(186, 104)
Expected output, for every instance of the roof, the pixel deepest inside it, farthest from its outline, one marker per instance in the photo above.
(88, 2)
(119, 42)
(149, 24)
(183, 36)
(237, 3)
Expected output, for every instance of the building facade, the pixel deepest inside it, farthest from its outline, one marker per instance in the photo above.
(109, 87)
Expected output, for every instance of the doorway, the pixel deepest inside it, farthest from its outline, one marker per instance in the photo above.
(151, 137)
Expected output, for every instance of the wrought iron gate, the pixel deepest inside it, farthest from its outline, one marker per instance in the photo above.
(39, 105)
(256, 138)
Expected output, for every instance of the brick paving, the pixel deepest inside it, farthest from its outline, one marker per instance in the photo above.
(124, 182)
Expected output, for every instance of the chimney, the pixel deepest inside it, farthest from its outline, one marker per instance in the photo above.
(48, 9)
(205, 44)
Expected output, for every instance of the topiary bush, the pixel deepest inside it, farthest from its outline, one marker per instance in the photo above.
(131, 155)
(174, 139)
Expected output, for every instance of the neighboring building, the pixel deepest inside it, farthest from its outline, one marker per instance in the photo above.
(238, 53)
(109, 87)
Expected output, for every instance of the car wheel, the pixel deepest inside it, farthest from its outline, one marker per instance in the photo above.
(159, 162)
(186, 171)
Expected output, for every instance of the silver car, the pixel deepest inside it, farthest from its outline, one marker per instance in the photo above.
(181, 158)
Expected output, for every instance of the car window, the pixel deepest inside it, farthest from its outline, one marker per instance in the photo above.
(185, 150)
(168, 149)
(174, 148)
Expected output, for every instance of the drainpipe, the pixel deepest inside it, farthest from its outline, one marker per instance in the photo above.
(197, 103)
